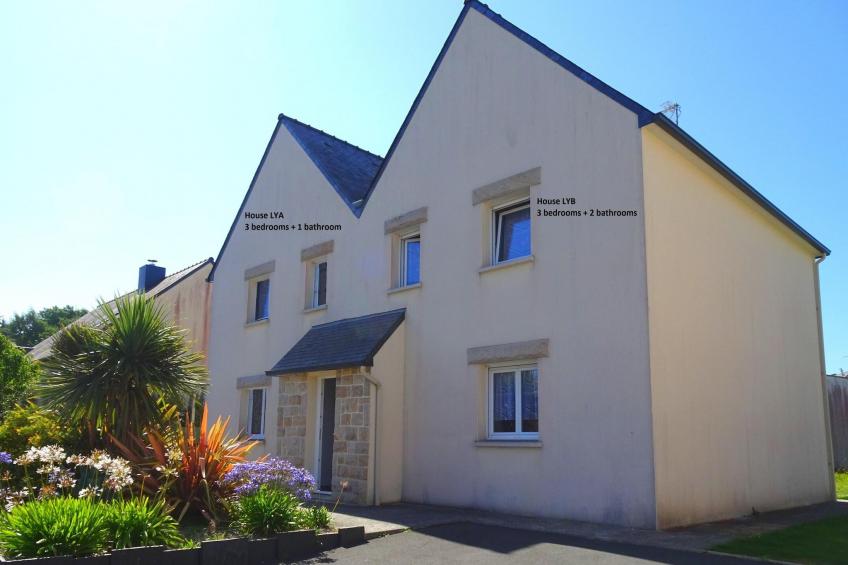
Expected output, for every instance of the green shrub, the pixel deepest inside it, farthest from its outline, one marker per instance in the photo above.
(266, 512)
(29, 425)
(138, 522)
(18, 373)
(315, 518)
(55, 526)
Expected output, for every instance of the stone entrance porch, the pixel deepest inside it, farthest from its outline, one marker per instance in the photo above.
(299, 429)
(352, 442)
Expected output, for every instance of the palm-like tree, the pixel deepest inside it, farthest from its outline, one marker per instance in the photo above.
(116, 374)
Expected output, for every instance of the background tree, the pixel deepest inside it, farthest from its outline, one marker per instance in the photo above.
(30, 425)
(116, 374)
(31, 327)
(17, 375)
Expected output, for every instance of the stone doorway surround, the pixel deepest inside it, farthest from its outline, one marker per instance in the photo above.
(353, 447)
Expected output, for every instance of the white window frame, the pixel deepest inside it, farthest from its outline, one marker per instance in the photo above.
(316, 281)
(404, 241)
(497, 224)
(250, 391)
(490, 412)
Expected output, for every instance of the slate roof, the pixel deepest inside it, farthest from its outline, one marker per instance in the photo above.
(347, 168)
(352, 342)
(42, 349)
(355, 173)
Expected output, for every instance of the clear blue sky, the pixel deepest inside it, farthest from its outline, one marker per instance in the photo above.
(132, 130)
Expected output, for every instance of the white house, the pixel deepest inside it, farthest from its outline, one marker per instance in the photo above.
(546, 299)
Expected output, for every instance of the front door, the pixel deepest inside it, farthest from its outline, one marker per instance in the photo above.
(328, 426)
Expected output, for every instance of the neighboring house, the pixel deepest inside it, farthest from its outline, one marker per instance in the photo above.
(185, 297)
(447, 335)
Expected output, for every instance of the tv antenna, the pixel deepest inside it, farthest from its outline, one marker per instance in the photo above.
(672, 110)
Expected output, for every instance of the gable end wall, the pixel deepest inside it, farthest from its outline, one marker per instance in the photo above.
(738, 410)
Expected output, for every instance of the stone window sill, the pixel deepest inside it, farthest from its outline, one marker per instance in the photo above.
(525, 443)
(403, 288)
(507, 264)
(316, 309)
(254, 323)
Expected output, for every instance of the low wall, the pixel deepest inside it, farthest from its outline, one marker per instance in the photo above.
(289, 546)
(837, 396)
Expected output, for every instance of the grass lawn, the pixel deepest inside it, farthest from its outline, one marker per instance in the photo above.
(817, 542)
(841, 485)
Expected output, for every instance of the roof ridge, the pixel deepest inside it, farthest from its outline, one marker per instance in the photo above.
(193, 265)
(319, 130)
(560, 59)
(175, 273)
(564, 62)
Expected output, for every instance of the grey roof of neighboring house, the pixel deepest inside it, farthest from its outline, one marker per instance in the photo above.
(42, 349)
(347, 168)
(352, 342)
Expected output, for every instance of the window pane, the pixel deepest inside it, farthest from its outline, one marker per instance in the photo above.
(514, 236)
(322, 284)
(530, 401)
(503, 402)
(257, 405)
(413, 252)
(261, 300)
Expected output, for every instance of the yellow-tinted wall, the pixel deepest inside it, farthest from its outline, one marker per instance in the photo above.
(736, 383)
(187, 305)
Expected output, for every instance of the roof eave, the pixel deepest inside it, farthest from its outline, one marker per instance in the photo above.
(217, 261)
(675, 131)
(313, 368)
(192, 271)
(642, 113)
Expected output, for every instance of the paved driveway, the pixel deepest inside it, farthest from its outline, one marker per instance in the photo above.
(476, 543)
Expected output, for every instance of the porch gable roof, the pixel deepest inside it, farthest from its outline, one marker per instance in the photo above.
(351, 342)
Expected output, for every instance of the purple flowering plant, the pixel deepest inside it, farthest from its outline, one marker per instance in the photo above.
(246, 478)
(5, 458)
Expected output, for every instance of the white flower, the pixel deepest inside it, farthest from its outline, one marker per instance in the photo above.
(88, 492)
(49, 455)
(98, 459)
(48, 470)
(78, 460)
(118, 474)
(63, 479)
(30, 456)
(52, 454)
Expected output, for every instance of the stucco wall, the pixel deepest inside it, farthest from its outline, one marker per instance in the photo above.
(187, 305)
(495, 108)
(289, 182)
(389, 371)
(739, 420)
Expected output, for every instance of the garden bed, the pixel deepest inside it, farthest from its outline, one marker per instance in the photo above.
(112, 466)
(288, 546)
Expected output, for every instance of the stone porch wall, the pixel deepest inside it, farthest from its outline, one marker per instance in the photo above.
(352, 444)
(291, 418)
